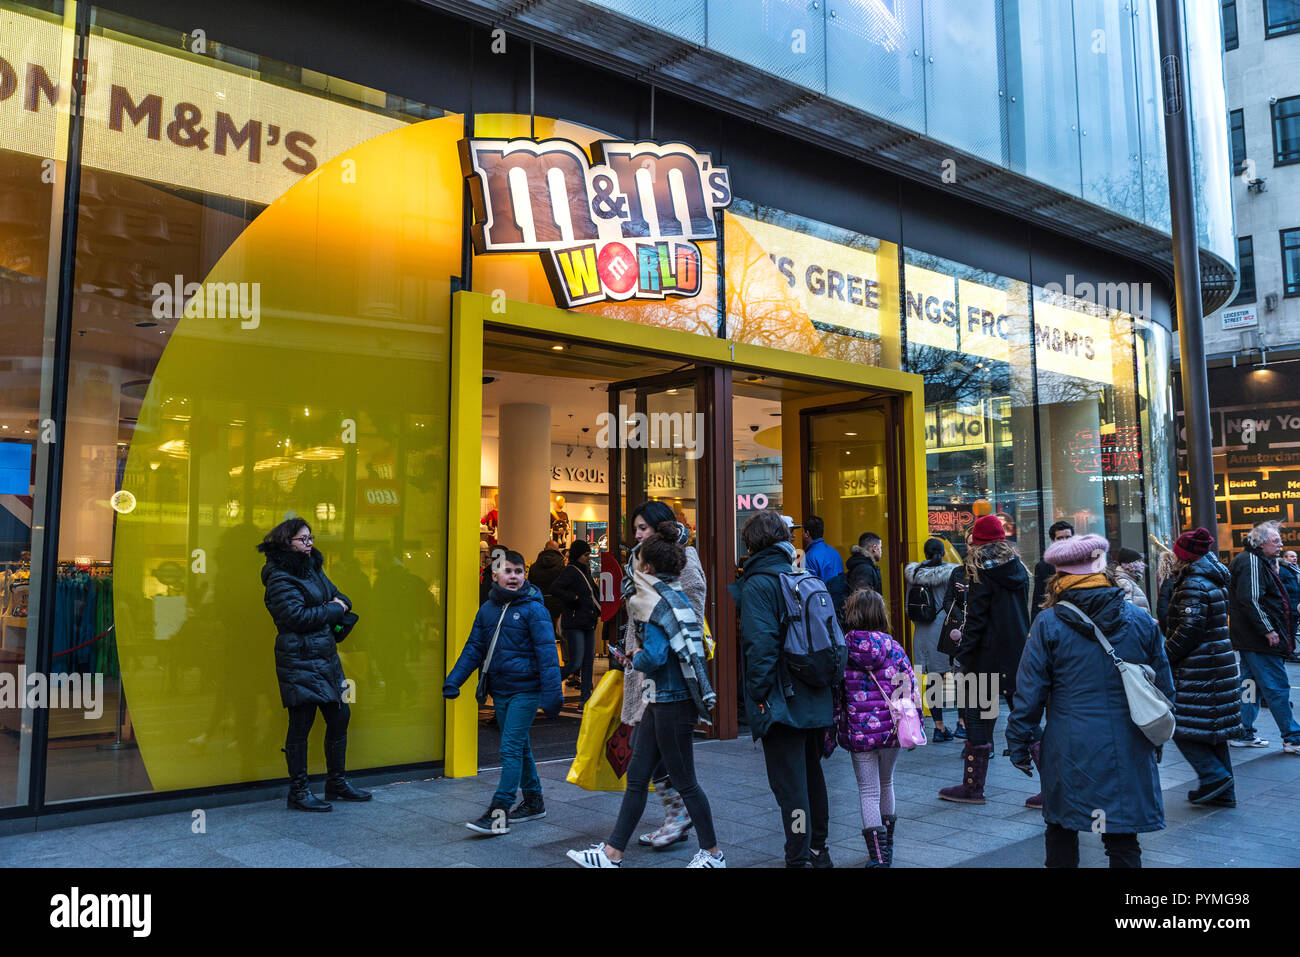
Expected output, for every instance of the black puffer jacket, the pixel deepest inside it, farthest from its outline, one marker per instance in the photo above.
(301, 602)
(1207, 703)
(997, 617)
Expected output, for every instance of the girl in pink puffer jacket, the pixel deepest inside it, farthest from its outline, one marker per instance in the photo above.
(863, 724)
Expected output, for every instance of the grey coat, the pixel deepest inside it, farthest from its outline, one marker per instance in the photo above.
(925, 635)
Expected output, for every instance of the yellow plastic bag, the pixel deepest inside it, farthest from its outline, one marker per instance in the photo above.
(602, 716)
(709, 643)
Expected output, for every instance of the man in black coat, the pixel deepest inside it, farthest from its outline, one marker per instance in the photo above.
(1263, 634)
(1058, 532)
(863, 567)
(1207, 700)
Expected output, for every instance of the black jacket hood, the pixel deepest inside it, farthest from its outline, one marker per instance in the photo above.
(1010, 575)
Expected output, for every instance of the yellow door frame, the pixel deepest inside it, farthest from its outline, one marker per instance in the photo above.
(472, 311)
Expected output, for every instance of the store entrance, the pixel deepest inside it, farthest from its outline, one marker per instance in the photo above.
(576, 434)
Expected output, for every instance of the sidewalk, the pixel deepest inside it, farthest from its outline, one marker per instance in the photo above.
(421, 823)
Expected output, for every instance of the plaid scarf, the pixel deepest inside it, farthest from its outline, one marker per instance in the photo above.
(674, 614)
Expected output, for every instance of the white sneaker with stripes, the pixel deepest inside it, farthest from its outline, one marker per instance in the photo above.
(703, 858)
(593, 856)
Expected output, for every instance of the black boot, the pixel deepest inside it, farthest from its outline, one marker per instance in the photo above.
(300, 796)
(875, 838)
(890, 820)
(337, 787)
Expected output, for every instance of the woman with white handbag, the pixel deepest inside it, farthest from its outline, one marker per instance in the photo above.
(1098, 765)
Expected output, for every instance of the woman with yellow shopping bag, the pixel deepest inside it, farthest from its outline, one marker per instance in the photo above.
(677, 696)
(604, 745)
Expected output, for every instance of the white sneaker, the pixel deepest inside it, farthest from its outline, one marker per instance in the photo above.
(703, 858)
(1255, 742)
(593, 856)
(1291, 747)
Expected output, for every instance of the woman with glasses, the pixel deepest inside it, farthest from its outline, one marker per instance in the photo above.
(311, 615)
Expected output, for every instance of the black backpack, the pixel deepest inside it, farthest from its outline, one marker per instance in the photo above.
(921, 606)
(813, 646)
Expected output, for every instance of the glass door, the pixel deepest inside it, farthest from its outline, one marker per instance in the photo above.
(851, 462)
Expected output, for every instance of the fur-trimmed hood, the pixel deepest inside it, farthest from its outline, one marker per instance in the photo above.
(928, 575)
(286, 560)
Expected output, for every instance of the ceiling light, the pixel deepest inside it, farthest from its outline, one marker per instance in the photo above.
(672, 391)
(557, 348)
(850, 433)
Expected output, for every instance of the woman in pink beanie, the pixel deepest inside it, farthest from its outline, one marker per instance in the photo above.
(1095, 763)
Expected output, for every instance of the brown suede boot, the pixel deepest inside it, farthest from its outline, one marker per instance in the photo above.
(975, 758)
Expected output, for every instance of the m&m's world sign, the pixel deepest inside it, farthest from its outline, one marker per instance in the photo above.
(621, 226)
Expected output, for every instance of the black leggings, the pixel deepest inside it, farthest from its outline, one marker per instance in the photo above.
(1063, 848)
(303, 716)
(979, 730)
(665, 731)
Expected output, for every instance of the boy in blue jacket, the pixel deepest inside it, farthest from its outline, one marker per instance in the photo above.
(522, 675)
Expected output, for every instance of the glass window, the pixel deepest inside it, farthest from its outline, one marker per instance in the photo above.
(785, 39)
(968, 336)
(1088, 411)
(1108, 106)
(33, 177)
(1216, 227)
(1154, 396)
(965, 98)
(249, 343)
(1151, 112)
(1291, 262)
(1229, 24)
(1237, 129)
(1281, 17)
(803, 286)
(1286, 131)
(1246, 265)
(1042, 112)
(874, 61)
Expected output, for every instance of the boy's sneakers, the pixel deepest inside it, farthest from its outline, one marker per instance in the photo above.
(703, 858)
(1253, 741)
(531, 808)
(494, 821)
(593, 856)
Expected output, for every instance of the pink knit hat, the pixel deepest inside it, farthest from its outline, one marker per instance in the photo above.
(1080, 555)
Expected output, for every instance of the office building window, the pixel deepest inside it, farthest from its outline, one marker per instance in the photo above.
(1237, 130)
(1229, 10)
(1246, 262)
(1291, 262)
(1281, 17)
(1286, 130)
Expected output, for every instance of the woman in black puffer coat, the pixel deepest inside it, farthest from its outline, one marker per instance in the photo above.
(309, 612)
(1207, 703)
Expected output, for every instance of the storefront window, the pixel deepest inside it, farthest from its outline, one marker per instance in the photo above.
(1089, 418)
(803, 286)
(968, 336)
(34, 44)
(259, 332)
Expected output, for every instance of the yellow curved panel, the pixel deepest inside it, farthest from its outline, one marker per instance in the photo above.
(327, 397)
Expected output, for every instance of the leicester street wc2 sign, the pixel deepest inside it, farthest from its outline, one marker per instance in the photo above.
(623, 226)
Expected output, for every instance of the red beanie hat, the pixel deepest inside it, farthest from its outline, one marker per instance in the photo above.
(1192, 545)
(988, 529)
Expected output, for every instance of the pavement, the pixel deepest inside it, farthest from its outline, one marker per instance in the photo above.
(421, 823)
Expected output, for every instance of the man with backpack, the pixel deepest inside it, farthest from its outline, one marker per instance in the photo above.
(790, 666)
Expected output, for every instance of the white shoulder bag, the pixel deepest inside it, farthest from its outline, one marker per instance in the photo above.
(1150, 710)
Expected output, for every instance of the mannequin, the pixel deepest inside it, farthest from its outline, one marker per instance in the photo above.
(491, 521)
(560, 527)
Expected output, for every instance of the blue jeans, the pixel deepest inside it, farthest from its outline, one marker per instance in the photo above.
(582, 655)
(1211, 762)
(515, 715)
(1271, 687)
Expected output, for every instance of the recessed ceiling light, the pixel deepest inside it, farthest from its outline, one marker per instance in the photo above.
(850, 433)
(557, 348)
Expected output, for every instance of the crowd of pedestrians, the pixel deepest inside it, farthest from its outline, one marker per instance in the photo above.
(823, 668)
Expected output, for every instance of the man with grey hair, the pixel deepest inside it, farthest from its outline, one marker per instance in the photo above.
(1263, 633)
